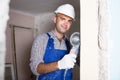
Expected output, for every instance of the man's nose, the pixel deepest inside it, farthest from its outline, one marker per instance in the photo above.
(66, 22)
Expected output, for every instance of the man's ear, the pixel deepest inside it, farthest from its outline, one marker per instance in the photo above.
(54, 19)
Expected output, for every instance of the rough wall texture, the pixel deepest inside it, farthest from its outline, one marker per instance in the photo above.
(103, 39)
(4, 8)
(43, 23)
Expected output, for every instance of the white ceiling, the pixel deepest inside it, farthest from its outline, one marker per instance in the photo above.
(35, 7)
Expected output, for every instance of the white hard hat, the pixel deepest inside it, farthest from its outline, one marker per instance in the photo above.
(66, 9)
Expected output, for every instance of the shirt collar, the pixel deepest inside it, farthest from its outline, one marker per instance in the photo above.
(52, 33)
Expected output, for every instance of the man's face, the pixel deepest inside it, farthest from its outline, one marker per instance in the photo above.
(62, 23)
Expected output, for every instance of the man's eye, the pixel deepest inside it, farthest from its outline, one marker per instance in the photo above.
(70, 21)
(62, 18)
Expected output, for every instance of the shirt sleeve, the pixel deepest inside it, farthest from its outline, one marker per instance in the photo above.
(37, 52)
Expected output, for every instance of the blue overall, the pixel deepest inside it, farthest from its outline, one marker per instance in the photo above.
(53, 55)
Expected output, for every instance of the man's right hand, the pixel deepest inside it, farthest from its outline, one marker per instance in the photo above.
(67, 62)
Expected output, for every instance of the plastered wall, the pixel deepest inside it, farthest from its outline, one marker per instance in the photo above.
(89, 47)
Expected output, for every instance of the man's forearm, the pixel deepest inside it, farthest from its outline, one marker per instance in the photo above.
(43, 68)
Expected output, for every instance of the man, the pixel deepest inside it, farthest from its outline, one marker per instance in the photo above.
(51, 57)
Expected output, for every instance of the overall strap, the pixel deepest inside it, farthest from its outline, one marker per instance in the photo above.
(67, 44)
(48, 35)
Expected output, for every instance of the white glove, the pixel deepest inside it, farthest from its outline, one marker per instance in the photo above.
(68, 61)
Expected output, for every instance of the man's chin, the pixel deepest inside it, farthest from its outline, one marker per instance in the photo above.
(62, 32)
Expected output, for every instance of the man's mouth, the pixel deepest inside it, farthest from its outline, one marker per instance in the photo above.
(64, 27)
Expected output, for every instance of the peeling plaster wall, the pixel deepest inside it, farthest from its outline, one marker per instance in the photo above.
(4, 10)
(103, 26)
